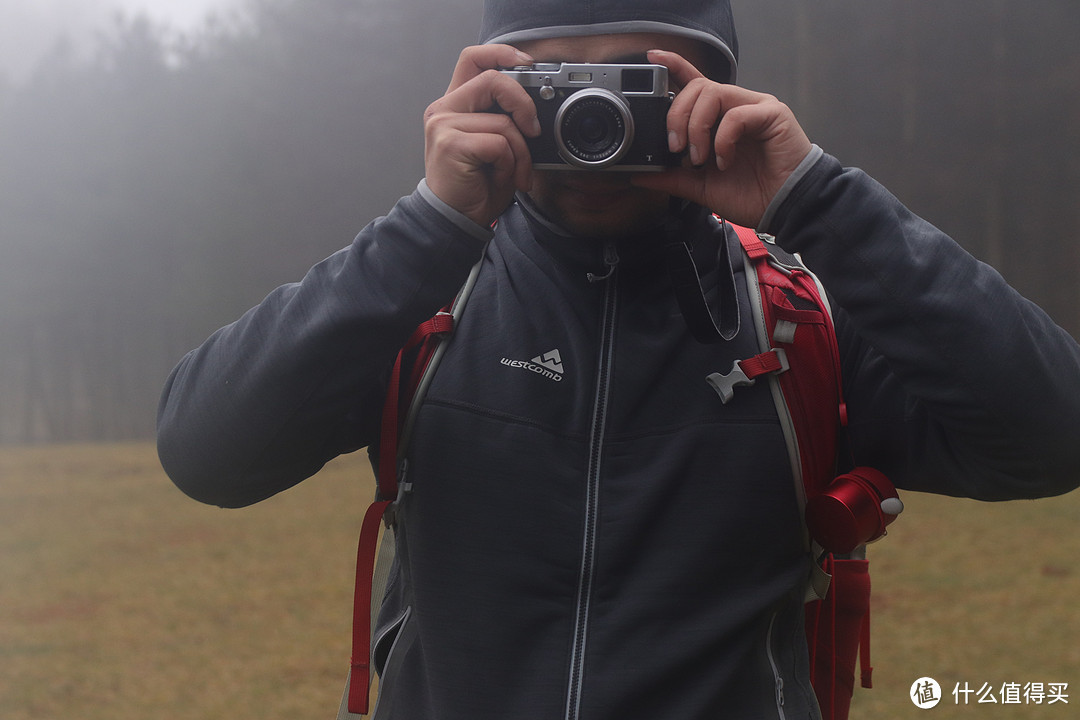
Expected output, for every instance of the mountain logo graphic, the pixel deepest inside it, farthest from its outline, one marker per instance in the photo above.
(551, 360)
(548, 365)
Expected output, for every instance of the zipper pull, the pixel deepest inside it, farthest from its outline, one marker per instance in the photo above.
(611, 260)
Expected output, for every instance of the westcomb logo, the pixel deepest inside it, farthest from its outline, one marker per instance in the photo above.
(548, 365)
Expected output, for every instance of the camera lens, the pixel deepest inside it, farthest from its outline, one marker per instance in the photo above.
(595, 132)
(593, 128)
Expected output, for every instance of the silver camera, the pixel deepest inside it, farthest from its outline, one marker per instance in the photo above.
(599, 117)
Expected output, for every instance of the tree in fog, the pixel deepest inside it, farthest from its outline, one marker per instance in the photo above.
(966, 109)
(154, 193)
(159, 189)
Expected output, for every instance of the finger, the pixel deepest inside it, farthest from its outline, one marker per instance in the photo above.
(505, 162)
(681, 73)
(680, 70)
(697, 110)
(693, 117)
(490, 92)
(472, 173)
(678, 118)
(470, 139)
(473, 61)
(756, 121)
(704, 118)
(457, 127)
(497, 153)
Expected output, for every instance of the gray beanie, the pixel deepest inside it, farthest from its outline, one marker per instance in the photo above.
(708, 21)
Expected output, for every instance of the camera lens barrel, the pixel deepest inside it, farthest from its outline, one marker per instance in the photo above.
(594, 128)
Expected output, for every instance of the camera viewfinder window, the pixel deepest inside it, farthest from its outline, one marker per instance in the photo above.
(637, 81)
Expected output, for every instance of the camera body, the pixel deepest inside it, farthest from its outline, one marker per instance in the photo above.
(599, 116)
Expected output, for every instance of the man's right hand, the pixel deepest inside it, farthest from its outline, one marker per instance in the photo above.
(475, 157)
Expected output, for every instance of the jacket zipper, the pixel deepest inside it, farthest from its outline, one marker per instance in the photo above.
(592, 487)
(778, 679)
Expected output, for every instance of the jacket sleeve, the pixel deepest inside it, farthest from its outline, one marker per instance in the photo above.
(955, 383)
(268, 400)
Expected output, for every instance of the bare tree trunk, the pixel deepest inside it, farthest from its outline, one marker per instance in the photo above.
(994, 182)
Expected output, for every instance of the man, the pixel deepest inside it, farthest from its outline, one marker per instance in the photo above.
(607, 539)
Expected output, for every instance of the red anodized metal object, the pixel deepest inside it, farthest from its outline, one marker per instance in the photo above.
(855, 509)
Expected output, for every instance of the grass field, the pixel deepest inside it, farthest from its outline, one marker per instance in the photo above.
(120, 599)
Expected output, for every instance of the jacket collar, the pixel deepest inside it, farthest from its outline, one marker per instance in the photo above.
(639, 254)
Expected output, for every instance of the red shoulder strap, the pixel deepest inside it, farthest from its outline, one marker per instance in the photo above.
(798, 324)
(417, 353)
(398, 398)
(424, 340)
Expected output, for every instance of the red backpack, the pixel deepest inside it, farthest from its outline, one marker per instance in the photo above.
(800, 360)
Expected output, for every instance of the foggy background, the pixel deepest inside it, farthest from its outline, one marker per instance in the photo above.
(157, 179)
(30, 29)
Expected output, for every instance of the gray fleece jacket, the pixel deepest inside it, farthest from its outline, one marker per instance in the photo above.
(590, 534)
(606, 539)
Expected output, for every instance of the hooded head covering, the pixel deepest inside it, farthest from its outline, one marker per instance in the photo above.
(708, 21)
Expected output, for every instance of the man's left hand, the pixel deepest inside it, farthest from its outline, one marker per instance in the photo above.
(742, 145)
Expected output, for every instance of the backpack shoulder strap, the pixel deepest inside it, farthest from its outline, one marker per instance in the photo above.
(418, 352)
(794, 321)
(798, 353)
(404, 394)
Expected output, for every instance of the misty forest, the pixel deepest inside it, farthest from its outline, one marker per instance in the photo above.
(155, 189)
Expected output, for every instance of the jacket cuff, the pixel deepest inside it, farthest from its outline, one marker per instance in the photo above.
(811, 159)
(461, 221)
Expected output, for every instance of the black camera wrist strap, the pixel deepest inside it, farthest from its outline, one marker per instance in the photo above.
(706, 327)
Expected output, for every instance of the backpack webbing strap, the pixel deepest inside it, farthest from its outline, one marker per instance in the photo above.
(360, 663)
(423, 342)
(866, 670)
(838, 628)
(745, 372)
(438, 326)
